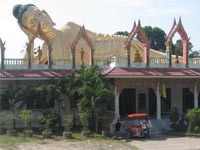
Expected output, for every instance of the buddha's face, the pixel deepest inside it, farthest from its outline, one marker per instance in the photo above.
(33, 16)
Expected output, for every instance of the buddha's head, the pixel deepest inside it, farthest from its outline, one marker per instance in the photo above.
(29, 16)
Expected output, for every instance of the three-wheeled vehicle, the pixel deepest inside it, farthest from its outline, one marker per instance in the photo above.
(137, 125)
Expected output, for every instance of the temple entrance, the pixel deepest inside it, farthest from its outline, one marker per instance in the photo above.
(142, 103)
(166, 104)
(152, 102)
(127, 102)
(188, 99)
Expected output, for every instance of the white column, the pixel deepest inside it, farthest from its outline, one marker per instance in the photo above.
(116, 102)
(158, 101)
(195, 95)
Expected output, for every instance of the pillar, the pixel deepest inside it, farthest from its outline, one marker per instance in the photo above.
(28, 49)
(50, 58)
(195, 95)
(146, 55)
(91, 56)
(2, 53)
(168, 51)
(116, 102)
(158, 101)
(128, 49)
(185, 53)
(73, 58)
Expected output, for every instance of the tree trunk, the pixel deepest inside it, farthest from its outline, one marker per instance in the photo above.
(13, 112)
(96, 121)
(59, 112)
(190, 126)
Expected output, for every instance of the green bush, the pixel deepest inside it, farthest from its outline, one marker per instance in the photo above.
(174, 115)
(26, 116)
(49, 118)
(68, 123)
(197, 129)
(84, 121)
(10, 121)
(193, 115)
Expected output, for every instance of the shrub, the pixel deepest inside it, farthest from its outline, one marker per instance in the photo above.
(197, 129)
(26, 116)
(193, 115)
(68, 123)
(10, 121)
(49, 118)
(174, 115)
(84, 121)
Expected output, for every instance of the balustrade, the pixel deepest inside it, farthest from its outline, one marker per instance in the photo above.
(115, 61)
(158, 60)
(15, 61)
(62, 62)
(194, 61)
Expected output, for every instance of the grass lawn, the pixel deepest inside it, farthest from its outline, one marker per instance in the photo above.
(11, 143)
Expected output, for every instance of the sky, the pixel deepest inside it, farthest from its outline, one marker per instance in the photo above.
(103, 16)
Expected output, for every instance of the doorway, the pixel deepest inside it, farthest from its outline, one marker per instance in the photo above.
(152, 102)
(142, 103)
(127, 102)
(188, 99)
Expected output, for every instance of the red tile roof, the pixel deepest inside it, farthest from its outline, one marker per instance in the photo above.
(30, 74)
(108, 73)
(151, 72)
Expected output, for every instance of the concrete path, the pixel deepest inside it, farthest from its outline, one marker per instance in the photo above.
(165, 142)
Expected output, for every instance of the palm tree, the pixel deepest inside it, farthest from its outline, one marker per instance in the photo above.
(12, 94)
(26, 96)
(53, 93)
(93, 92)
(67, 85)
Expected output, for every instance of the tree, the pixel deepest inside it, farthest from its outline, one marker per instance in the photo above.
(194, 54)
(26, 96)
(194, 119)
(53, 94)
(92, 91)
(67, 84)
(124, 33)
(179, 47)
(156, 37)
(11, 94)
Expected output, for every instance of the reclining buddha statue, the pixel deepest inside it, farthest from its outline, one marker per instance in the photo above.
(29, 16)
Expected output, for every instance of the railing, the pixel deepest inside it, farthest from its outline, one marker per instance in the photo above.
(122, 59)
(15, 61)
(194, 61)
(115, 61)
(62, 62)
(158, 60)
(100, 62)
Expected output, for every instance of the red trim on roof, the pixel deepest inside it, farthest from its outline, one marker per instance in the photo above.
(123, 72)
(34, 73)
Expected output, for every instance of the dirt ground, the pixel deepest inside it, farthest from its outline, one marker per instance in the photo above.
(166, 142)
(76, 145)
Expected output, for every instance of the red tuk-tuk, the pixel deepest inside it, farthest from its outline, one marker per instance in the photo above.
(137, 125)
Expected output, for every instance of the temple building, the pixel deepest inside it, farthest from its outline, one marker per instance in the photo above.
(144, 80)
